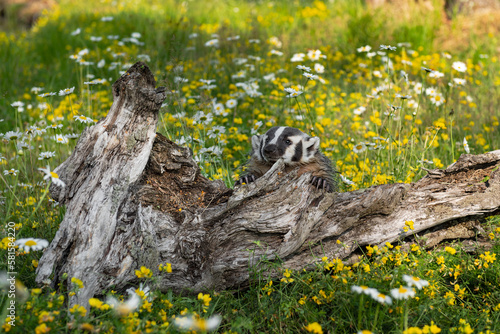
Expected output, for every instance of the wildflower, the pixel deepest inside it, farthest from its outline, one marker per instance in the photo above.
(12, 135)
(19, 105)
(364, 289)
(304, 68)
(218, 108)
(346, 180)
(436, 74)
(276, 52)
(359, 110)
(52, 176)
(402, 292)
(365, 48)
(124, 308)
(47, 94)
(315, 55)
(197, 324)
(42, 328)
(359, 148)
(310, 76)
(142, 291)
(298, 57)
(459, 66)
(78, 282)
(11, 172)
(403, 97)
(413, 330)
(167, 267)
(488, 258)
(450, 250)
(314, 327)
(460, 82)
(437, 99)
(466, 146)
(144, 272)
(94, 302)
(381, 298)
(95, 81)
(408, 225)
(365, 331)
(318, 68)
(66, 91)
(415, 281)
(216, 131)
(76, 32)
(269, 77)
(292, 92)
(431, 329)
(387, 47)
(274, 41)
(287, 276)
(205, 299)
(34, 130)
(428, 70)
(231, 103)
(28, 244)
(83, 119)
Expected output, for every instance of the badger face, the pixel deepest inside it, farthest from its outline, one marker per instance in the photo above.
(289, 144)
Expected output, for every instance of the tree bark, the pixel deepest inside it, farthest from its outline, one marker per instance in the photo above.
(136, 199)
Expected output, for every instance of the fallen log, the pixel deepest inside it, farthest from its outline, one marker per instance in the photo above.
(134, 198)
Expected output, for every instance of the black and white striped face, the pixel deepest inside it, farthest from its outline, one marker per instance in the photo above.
(290, 144)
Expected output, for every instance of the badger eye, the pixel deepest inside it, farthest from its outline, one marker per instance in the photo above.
(288, 142)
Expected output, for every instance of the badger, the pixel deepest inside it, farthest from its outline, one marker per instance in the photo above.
(297, 149)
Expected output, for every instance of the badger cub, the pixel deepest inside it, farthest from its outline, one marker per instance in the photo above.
(296, 149)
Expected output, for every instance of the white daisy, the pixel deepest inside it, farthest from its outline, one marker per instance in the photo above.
(415, 281)
(124, 308)
(66, 91)
(52, 176)
(198, 325)
(29, 244)
(459, 66)
(403, 292)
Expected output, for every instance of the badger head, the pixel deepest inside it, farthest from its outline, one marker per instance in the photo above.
(289, 144)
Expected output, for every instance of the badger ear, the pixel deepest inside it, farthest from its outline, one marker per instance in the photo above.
(311, 145)
(256, 142)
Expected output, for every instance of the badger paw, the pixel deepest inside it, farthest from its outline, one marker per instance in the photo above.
(246, 179)
(321, 183)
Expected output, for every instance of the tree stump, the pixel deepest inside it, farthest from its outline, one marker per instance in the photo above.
(134, 198)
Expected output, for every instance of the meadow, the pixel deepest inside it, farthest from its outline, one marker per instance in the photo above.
(390, 91)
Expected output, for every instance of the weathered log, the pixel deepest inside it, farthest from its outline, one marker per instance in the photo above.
(131, 203)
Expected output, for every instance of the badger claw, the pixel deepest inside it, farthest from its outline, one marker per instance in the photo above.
(320, 183)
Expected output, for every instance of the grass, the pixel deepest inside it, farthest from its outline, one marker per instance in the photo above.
(380, 117)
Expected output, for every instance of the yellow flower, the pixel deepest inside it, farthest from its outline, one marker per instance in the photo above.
(167, 267)
(42, 329)
(78, 309)
(314, 328)
(450, 250)
(205, 298)
(77, 282)
(431, 329)
(413, 330)
(94, 302)
(144, 272)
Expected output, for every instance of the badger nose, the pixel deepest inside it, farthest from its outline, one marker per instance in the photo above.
(270, 149)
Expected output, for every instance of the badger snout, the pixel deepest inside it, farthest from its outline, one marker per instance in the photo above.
(271, 153)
